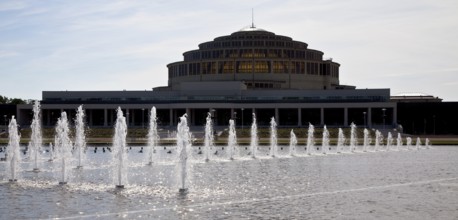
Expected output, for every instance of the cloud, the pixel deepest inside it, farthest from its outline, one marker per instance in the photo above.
(12, 5)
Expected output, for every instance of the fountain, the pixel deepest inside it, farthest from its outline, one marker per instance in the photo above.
(80, 137)
(51, 152)
(63, 146)
(292, 143)
(418, 143)
(232, 140)
(353, 137)
(208, 141)
(119, 150)
(36, 138)
(325, 141)
(183, 145)
(153, 136)
(310, 139)
(378, 140)
(389, 141)
(273, 137)
(254, 137)
(399, 142)
(340, 141)
(427, 143)
(367, 140)
(13, 156)
(408, 143)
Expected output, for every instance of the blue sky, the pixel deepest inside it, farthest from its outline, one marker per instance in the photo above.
(405, 45)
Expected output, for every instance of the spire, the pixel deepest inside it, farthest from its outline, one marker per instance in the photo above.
(252, 18)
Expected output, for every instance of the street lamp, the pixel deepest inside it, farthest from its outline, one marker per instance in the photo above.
(384, 109)
(364, 115)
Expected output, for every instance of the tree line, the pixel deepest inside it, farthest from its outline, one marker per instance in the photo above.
(12, 101)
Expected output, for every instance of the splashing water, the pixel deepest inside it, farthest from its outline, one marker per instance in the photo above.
(418, 143)
(273, 137)
(292, 143)
(232, 140)
(208, 141)
(51, 152)
(340, 141)
(183, 145)
(325, 141)
(310, 139)
(367, 140)
(119, 150)
(378, 140)
(36, 138)
(409, 143)
(389, 141)
(254, 137)
(13, 156)
(153, 136)
(353, 137)
(80, 137)
(399, 142)
(63, 146)
(427, 143)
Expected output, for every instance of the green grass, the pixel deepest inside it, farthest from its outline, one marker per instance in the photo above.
(138, 136)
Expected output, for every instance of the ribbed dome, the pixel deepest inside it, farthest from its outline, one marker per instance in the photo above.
(251, 28)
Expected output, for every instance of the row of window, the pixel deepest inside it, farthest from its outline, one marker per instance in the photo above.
(252, 36)
(253, 53)
(230, 67)
(258, 43)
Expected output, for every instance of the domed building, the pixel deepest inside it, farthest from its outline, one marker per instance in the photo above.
(249, 72)
(258, 58)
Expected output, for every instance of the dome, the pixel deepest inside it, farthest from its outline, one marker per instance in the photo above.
(251, 28)
(258, 58)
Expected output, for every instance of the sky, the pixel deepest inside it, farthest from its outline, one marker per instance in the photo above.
(409, 46)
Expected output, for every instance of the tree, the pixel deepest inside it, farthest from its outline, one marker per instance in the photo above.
(13, 101)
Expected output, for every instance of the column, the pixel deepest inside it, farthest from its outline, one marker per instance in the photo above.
(232, 113)
(345, 117)
(369, 117)
(127, 116)
(105, 117)
(395, 115)
(322, 116)
(299, 117)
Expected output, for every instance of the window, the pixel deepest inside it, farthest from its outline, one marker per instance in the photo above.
(232, 54)
(261, 67)
(280, 66)
(244, 66)
(226, 67)
(246, 53)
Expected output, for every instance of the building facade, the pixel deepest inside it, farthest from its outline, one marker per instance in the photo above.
(232, 77)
